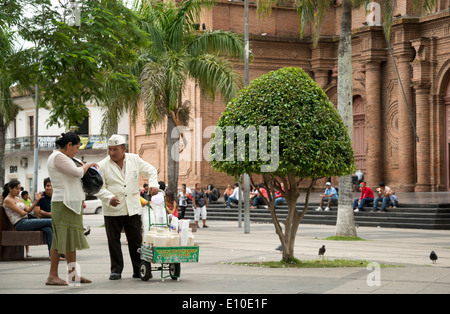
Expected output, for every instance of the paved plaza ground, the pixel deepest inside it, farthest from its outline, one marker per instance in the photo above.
(225, 243)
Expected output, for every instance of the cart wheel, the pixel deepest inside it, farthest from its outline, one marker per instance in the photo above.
(145, 270)
(175, 271)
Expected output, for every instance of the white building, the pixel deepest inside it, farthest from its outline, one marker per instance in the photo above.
(19, 150)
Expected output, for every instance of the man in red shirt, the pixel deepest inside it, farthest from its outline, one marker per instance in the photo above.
(366, 197)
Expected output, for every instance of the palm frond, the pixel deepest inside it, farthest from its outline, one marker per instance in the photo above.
(264, 7)
(311, 12)
(215, 74)
(427, 5)
(179, 51)
(227, 43)
(153, 93)
(191, 9)
(122, 93)
(176, 68)
(389, 7)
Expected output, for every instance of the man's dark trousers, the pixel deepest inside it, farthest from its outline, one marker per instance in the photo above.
(132, 226)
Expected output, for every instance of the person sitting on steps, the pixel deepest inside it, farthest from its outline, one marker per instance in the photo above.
(329, 196)
(386, 195)
(365, 198)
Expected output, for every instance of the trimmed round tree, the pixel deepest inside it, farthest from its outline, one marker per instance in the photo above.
(284, 128)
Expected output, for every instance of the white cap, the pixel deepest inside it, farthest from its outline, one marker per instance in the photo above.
(116, 140)
(328, 183)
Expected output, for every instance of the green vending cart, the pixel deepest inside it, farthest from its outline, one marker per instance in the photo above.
(163, 258)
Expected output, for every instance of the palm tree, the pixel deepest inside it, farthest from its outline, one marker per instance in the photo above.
(121, 90)
(179, 52)
(312, 12)
(345, 222)
(8, 109)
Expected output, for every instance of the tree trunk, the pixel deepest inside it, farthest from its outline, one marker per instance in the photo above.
(291, 228)
(173, 154)
(293, 219)
(345, 224)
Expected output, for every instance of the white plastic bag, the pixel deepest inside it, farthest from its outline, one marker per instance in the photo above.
(184, 232)
(174, 223)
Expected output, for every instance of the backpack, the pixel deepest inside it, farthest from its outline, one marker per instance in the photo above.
(199, 198)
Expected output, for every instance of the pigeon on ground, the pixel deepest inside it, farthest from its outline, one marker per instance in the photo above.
(322, 250)
(433, 257)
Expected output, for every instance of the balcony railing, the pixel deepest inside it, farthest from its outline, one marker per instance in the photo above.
(47, 142)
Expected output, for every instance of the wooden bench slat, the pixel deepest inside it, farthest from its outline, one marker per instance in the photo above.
(13, 238)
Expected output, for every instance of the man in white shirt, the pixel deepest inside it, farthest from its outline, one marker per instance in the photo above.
(233, 197)
(360, 175)
(120, 198)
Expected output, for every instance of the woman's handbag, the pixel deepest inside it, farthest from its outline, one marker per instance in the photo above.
(92, 179)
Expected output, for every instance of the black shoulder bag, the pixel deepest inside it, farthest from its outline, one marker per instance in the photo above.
(92, 179)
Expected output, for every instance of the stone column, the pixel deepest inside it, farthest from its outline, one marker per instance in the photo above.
(373, 54)
(423, 129)
(406, 138)
(321, 77)
(422, 72)
(374, 134)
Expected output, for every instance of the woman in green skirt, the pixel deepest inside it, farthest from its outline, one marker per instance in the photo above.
(67, 203)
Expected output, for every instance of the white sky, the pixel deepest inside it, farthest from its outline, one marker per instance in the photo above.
(57, 5)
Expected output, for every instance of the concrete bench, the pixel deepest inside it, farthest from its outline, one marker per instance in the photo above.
(13, 242)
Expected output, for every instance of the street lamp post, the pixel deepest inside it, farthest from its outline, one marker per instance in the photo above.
(36, 144)
(246, 82)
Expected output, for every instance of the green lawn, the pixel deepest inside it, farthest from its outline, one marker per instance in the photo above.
(317, 263)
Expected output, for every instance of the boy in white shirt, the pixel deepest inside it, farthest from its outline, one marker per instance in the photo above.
(233, 197)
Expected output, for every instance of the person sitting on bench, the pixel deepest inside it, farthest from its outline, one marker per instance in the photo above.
(17, 212)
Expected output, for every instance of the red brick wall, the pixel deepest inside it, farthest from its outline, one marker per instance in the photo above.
(401, 162)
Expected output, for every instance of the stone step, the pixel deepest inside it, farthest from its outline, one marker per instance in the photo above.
(421, 216)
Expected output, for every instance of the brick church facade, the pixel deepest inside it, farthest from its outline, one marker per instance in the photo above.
(401, 131)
